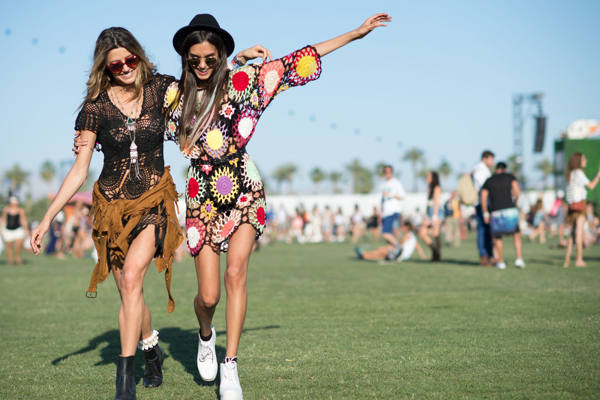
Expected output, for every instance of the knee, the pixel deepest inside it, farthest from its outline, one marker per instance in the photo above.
(235, 275)
(131, 282)
(207, 300)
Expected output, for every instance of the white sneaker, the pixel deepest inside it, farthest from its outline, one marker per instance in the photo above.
(519, 263)
(501, 265)
(230, 388)
(207, 357)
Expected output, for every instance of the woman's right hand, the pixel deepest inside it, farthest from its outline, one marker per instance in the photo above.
(37, 235)
(78, 142)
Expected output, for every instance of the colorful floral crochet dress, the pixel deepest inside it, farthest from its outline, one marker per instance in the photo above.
(224, 188)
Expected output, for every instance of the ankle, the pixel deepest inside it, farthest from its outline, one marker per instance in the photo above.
(150, 342)
(230, 359)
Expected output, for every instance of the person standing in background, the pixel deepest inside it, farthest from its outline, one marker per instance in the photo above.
(499, 196)
(577, 183)
(392, 192)
(480, 174)
(453, 219)
(14, 230)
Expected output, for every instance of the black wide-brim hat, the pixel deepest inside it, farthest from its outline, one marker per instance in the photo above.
(203, 22)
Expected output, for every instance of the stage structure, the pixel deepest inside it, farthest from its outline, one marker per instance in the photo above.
(519, 100)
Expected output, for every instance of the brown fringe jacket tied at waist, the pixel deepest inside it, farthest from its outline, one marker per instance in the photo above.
(110, 234)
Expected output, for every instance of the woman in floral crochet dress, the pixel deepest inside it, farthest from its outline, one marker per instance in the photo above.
(224, 192)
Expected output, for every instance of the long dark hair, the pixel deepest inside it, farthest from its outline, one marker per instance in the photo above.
(575, 162)
(435, 181)
(188, 85)
(100, 78)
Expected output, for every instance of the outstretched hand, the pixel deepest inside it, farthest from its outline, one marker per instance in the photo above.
(373, 22)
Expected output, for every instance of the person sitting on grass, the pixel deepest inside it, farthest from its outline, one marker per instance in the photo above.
(406, 247)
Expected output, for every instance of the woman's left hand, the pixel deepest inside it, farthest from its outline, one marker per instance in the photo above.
(257, 51)
(371, 23)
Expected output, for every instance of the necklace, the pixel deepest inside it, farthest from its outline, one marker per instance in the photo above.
(130, 123)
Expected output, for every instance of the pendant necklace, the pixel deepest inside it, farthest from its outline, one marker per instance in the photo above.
(130, 123)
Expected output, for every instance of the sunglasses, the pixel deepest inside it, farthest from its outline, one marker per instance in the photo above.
(116, 67)
(195, 62)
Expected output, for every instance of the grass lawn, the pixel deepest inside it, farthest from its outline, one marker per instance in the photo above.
(322, 325)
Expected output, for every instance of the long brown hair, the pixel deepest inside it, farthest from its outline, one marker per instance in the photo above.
(575, 162)
(100, 78)
(435, 181)
(188, 85)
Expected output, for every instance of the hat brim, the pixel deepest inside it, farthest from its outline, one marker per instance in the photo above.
(181, 34)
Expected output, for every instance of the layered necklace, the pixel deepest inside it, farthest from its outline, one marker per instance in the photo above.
(130, 123)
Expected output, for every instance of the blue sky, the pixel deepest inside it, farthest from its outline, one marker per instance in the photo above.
(440, 77)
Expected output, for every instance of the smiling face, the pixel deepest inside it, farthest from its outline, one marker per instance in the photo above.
(202, 59)
(122, 56)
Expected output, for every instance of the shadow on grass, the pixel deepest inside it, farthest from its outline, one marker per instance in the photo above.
(182, 347)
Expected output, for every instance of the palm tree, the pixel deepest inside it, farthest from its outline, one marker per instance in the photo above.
(413, 155)
(317, 175)
(362, 178)
(285, 173)
(47, 172)
(379, 168)
(17, 177)
(515, 166)
(445, 169)
(546, 168)
(335, 177)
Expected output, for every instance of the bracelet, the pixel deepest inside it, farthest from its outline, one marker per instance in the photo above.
(486, 214)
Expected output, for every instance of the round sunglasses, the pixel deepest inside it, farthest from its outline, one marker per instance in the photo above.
(195, 62)
(116, 67)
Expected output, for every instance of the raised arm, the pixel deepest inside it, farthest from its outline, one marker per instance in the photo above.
(592, 184)
(371, 23)
(75, 178)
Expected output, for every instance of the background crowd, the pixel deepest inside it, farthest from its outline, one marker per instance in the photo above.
(443, 217)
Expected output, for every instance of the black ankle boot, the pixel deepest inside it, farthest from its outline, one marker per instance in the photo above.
(125, 378)
(153, 374)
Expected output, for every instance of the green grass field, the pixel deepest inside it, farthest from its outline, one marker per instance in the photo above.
(322, 325)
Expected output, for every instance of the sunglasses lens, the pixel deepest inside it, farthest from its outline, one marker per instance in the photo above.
(211, 62)
(115, 67)
(132, 61)
(194, 63)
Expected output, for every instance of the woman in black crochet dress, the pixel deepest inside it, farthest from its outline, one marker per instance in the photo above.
(134, 198)
(212, 115)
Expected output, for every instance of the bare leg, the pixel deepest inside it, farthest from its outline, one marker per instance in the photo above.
(542, 229)
(579, 241)
(499, 249)
(209, 288)
(238, 256)
(423, 235)
(146, 317)
(131, 313)
(568, 250)
(9, 252)
(19, 247)
(390, 238)
(518, 245)
(377, 254)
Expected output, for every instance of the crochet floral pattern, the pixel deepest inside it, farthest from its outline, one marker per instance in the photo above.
(244, 125)
(208, 210)
(241, 83)
(214, 140)
(307, 66)
(195, 189)
(268, 80)
(250, 173)
(224, 186)
(227, 110)
(226, 225)
(196, 231)
(257, 215)
(244, 200)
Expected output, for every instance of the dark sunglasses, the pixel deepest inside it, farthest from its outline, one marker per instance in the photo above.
(210, 62)
(116, 67)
